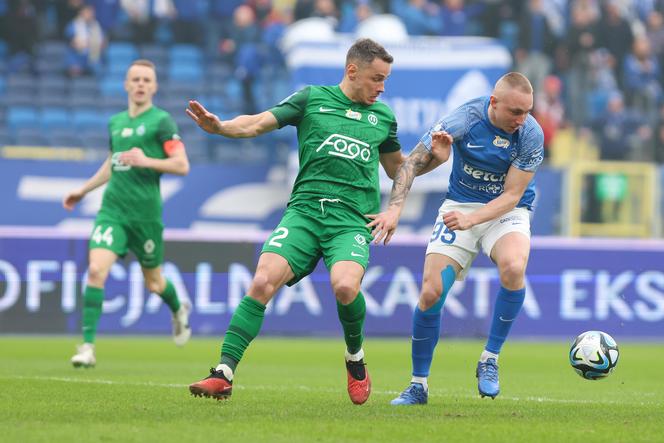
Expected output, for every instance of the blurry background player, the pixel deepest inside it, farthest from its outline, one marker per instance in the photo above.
(497, 148)
(144, 144)
(343, 133)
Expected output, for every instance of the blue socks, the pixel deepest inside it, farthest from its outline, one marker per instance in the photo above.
(426, 328)
(508, 305)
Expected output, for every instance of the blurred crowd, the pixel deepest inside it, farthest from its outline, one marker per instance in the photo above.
(596, 64)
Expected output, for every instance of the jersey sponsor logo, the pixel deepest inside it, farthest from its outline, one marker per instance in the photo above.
(346, 147)
(501, 142)
(324, 109)
(486, 176)
(140, 130)
(127, 132)
(116, 164)
(373, 119)
(493, 188)
(353, 114)
(472, 146)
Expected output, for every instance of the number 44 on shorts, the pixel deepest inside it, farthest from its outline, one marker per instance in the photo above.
(105, 237)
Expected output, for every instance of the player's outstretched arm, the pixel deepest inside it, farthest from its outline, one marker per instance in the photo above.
(385, 224)
(242, 126)
(100, 177)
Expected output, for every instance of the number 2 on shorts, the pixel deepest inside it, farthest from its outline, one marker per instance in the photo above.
(279, 234)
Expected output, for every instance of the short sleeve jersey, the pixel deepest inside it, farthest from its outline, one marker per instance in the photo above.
(339, 145)
(133, 193)
(484, 153)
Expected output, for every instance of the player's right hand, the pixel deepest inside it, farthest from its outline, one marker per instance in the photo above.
(441, 145)
(71, 199)
(207, 121)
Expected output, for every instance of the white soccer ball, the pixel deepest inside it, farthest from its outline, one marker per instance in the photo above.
(594, 355)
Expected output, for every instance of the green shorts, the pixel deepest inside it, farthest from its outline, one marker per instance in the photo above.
(144, 239)
(311, 230)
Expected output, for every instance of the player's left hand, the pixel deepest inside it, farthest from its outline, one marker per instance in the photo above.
(457, 221)
(134, 157)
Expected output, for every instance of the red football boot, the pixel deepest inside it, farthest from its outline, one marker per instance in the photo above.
(219, 384)
(359, 382)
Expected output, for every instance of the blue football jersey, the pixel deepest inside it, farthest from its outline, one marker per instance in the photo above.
(484, 153)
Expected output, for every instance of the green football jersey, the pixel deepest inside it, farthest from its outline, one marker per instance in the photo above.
(133, 193)
(339, 145)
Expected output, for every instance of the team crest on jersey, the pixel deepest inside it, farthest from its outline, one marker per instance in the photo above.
(148, 246)
(359, 238)
(140, 130)
(501, 142)
(373, 119)
(127, 132)
(353, 114)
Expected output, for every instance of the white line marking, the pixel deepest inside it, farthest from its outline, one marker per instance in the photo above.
(432, 393)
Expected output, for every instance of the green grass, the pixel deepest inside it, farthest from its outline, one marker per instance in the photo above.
(290, 390)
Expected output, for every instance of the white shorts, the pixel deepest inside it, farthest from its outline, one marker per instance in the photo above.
(463, 246)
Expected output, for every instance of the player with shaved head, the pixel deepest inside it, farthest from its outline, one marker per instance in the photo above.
(497, 148)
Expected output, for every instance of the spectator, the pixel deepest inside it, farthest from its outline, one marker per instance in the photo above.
(22, 34)
(622, 134)
(659, 138)
(145, 16)
(66, 11)
(655, 34)
(243, 48)
(549, 110)
(219, 23)
(641, 74)
(536, 44)
(188, 20)
(581, 42)
(107, 13)
(86, 41)
(457, 18)
(421, 18)
(615, 34)
(354, 13)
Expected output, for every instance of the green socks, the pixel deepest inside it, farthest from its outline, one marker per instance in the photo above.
(352, 320)
(170, 297)
(243, 328)
(93, 298)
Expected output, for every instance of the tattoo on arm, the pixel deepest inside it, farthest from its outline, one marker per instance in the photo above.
(418, 159)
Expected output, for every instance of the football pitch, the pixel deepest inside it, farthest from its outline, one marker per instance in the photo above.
(292, 390)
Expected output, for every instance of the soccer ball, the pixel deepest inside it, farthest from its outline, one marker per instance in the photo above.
(594, 355)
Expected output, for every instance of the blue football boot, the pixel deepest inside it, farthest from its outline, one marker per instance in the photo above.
(414, 394)
(487, 378)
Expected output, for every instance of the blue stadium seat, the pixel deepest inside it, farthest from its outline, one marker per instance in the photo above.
(64, 137)
(22, 117)
(21, 81)
(51, 99)
(94, 140)
(47, 67)
(89, 119)
(185, 72)
(112, 85)
(155, 53)
(53, 51)
(30, 137)
(51, 118)
(53, 83)
(83, 100)
(186, 54)
(2, 85)
(196, 144)
(124, 52)
(87, 85)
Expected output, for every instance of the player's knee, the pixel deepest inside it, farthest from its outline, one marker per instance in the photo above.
(154, 285)
(261, 288)
(345, 290)
(429, 296)
(96, 274)
(512, 271)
